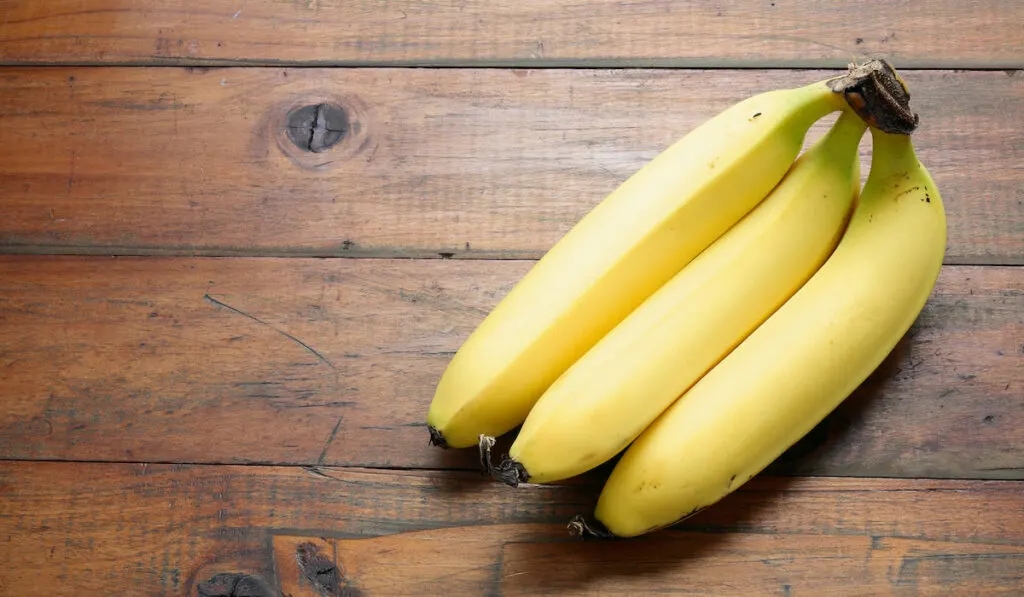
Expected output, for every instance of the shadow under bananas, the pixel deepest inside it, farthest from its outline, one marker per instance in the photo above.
(680, 553)
(548, 559)
(712, 534)
(672, 559)
(676, 558)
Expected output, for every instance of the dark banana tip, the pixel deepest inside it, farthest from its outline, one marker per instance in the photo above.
(877, 93)
(436, 438)
(579, 527)
(508, 472)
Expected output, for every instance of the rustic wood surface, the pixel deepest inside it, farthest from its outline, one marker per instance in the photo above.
(295, 361)
(141, 529)
(922, 33)
(242, 239)
(485, 163)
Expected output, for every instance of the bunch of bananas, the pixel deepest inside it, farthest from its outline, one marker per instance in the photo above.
(711, 310)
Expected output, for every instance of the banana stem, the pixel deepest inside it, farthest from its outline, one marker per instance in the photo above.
(878, 95)
(893, 152)
(508, 472)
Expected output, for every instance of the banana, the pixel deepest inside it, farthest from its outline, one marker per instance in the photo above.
(800, 363)
(628, 246)
(604, 400)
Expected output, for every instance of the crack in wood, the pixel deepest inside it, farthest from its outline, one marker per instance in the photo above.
(317, 128)
(317, 125)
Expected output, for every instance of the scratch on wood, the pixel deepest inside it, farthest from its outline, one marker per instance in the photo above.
(309, 348)
(316, 472)
(156, 106)
(330, 440)
(71, 173)
(322, 404)
(614, 176)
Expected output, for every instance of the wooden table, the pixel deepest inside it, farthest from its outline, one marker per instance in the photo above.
(242, 239)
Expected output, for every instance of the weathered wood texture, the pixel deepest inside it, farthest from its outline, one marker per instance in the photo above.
(473, 163)
(535, 560)
(923, 33)
(329, 365)
(296, 361)
(131, 529)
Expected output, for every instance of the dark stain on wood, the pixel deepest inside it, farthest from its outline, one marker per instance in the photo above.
(320, 571)
(234, 585)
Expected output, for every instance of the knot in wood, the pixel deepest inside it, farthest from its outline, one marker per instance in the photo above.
(317, 128)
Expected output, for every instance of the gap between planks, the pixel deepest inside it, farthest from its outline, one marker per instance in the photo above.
(320, 470)
(316, 253)
(641, 64)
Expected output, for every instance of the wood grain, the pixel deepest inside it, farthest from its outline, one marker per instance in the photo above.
(535, 560)
(130, 529)
(923, 33)
(296, 361)
(444, 162)
(252, 425)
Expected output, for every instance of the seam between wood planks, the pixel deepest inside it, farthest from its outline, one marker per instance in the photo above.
(276, 253)
(540, 63)
(320, 469)
(315, 253)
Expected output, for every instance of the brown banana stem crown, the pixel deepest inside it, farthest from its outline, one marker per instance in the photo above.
(879, 95)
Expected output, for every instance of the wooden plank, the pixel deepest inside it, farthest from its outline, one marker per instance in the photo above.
(534, 560)
(925, 33)
(296, 361)
(443, 162)
(130, 529)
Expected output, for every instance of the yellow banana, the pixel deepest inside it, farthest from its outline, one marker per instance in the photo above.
(630, 376)
(627, 247)
(800, 363)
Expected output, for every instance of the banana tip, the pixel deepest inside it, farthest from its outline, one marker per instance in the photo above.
(508, 471)
(579, 527)
(436, 438)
